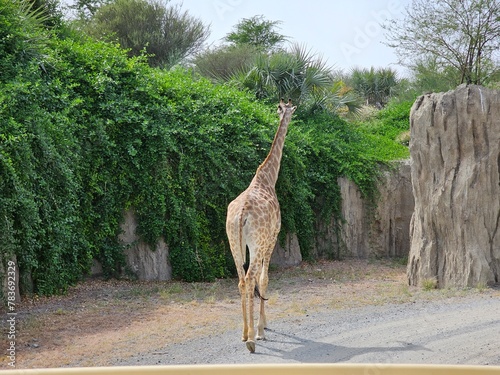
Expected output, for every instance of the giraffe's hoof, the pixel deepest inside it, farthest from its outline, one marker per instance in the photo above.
(261, 337)
(251, 346)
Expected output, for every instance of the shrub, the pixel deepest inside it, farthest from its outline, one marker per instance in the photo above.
(388, 130)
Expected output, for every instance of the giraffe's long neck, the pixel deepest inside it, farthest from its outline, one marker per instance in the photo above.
(267, 173)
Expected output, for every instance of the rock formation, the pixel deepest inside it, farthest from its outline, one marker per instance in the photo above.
(389, 233)
(288, 254)
(142, 261)
(381, 228)
(455, 153)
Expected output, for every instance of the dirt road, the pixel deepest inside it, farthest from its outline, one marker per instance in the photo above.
(462, 330)
(349, 311)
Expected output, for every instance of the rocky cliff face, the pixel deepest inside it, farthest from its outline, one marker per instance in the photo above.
(144, 262)
(381, 228)
(289, 254)
(455, 153)
(390, 226)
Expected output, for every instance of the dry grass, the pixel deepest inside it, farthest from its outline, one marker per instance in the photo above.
(99, 321)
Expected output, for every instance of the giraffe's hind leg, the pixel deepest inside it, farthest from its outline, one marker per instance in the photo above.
(263, 282)
(253, 272)
(242, 289)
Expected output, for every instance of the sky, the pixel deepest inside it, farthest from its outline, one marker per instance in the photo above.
(346, 34)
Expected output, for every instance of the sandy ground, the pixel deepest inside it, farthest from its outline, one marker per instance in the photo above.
(327, 312)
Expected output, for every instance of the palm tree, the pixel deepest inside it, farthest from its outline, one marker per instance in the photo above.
(375, 85)
(298, 74)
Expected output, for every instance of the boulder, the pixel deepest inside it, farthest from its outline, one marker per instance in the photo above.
(455, 154)
(144, 262)
(288, 254)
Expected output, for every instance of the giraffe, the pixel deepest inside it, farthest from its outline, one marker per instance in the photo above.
(254, 220)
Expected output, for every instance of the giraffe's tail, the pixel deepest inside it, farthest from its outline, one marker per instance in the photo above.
(256, 290)
(257, 293)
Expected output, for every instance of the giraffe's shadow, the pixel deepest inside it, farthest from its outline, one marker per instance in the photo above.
(294, 348)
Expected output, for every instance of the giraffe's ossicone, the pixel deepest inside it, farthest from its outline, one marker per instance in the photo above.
(254, 221)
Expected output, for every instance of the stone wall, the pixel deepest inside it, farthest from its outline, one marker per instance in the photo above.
(381, 231)
(390, 226)
(381, 228)
(142, 261)
(289, 254)
(455, 152)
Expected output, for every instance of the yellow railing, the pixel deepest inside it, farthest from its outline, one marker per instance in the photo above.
(271, 369)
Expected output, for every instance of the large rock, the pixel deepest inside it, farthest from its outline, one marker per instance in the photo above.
(380, 228)
(389, 234)
(455, 153)
(288, 254)
(144, 262)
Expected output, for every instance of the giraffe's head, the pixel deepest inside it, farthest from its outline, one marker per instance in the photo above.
(285, 110)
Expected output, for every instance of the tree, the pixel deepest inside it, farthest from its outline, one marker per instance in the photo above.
(428, 75)
(22, 36)
(258, 32)
(165, 32)
(49, 10)
(222, 63)
(298, 74)
(375, 85)
(464, 34)
(87, 8)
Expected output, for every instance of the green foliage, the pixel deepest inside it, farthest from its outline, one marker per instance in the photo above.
(430, 76)
(257, 32)
(374, 85)
(287, 74)
(22, 38)
(223, 63)
(165, 32)
(87, 133)
(86, 9)
(49, 10)
(297, 74)
(385, 130)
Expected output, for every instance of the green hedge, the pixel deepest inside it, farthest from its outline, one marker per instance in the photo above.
(87, 132)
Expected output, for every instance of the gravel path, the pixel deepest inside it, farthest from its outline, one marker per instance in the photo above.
(455, 331)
